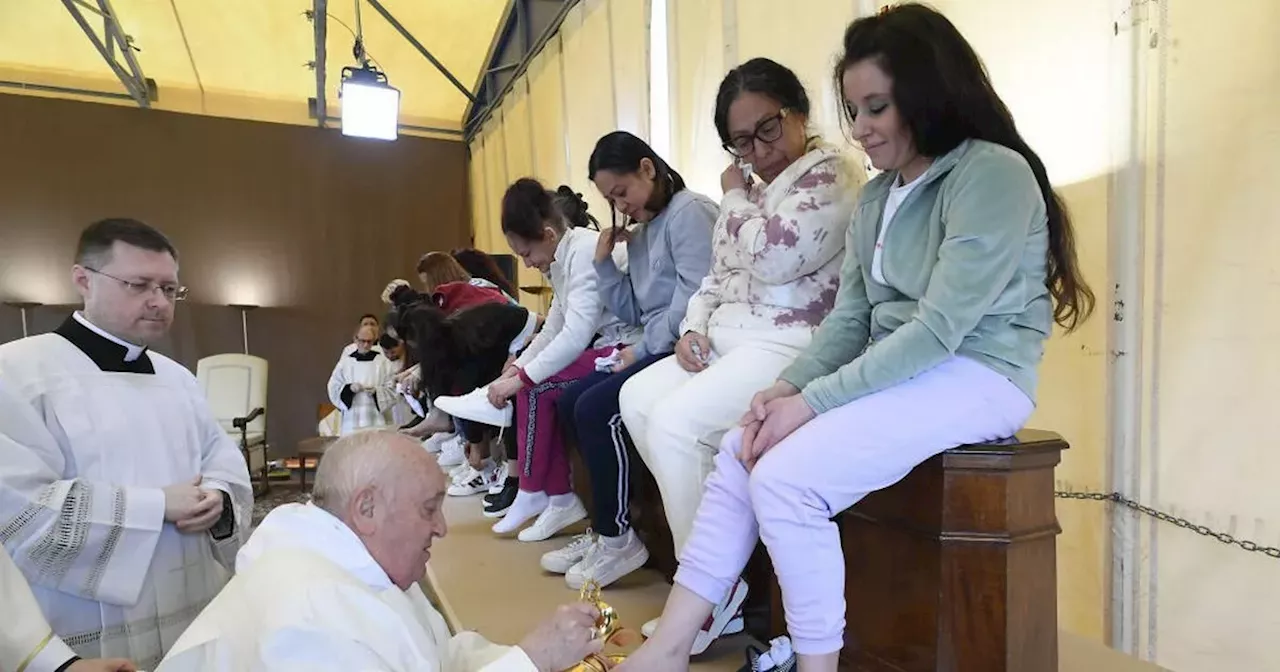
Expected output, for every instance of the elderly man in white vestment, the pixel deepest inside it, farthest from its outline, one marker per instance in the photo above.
(362, 385)
(332, 585)
(121, 499)
(27, 642)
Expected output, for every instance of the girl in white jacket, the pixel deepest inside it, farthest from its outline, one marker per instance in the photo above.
(551, 231)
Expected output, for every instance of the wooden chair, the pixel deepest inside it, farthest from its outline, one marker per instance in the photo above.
(954, 568)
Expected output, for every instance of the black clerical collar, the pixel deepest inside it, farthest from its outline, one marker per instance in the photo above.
(364, 356)
(110, 354)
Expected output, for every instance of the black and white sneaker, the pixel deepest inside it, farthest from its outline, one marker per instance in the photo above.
(778, 658)
(505, 484)
(495, 506)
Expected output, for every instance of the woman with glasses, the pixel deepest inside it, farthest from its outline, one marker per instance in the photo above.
(776, 251)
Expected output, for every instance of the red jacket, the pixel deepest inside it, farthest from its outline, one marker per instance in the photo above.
(454, 296)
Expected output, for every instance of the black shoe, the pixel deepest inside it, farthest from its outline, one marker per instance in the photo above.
(495, 506)
(509, 483)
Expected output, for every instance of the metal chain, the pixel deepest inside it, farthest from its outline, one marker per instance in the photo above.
(1185, 524)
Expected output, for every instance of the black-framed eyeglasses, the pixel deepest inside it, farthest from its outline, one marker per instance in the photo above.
(170, 292)
(769, 130)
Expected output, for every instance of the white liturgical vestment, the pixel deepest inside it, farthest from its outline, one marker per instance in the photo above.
(371, 407)
(26, 641)
(91, 430)
(307, 595)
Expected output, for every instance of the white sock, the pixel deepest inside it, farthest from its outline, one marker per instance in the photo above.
(617, 543)
(526, 507)
(562, 501)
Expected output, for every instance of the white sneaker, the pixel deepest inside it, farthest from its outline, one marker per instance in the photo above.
(560, 561)
(460, 473)
(453, 452)
(605, 564)
(475, 407)
(473, 481)
(465, 472)
(725, 619)
(553, 519)
(504, 472)
(434, 442)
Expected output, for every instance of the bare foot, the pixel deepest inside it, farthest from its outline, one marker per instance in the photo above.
(649, 657)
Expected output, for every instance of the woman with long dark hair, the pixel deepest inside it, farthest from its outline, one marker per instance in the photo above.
(667, 233)
(960, 260)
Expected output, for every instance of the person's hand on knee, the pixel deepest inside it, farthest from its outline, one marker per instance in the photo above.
(783, 416)
(778, 390)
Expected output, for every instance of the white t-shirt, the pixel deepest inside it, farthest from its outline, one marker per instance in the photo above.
(897, 194)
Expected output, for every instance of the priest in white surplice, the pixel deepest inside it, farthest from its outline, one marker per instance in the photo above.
(27, 642)
(121, 499)
(332, 585)
(362, 385)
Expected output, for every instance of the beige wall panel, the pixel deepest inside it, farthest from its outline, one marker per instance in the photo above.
(1214, 355)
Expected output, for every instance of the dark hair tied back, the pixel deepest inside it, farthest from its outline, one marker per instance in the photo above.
(573, 207)
(621, 152)
(528, 208)
(765, 77)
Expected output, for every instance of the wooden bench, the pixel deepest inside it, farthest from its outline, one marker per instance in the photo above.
(951, 569)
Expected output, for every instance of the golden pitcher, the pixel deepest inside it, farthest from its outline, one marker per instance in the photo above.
(606, 627)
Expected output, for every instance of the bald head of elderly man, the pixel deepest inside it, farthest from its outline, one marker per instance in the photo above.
(333, 584)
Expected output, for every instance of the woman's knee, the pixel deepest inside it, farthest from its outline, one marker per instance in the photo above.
(731, 444)
(630, 401)
(775, 479)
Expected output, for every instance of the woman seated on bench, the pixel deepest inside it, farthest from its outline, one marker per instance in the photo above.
(934, 342)
(776, 251)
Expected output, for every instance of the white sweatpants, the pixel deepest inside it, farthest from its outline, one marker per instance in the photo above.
(676, 419)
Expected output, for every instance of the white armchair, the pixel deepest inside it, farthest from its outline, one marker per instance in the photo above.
(236, 387)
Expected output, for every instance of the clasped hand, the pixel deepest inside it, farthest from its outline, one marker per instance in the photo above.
(776, 412)
(192, 508)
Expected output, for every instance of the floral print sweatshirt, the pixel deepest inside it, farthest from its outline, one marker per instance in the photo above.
(777, 249)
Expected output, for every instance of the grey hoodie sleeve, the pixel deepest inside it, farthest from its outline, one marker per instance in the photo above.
(690, 247)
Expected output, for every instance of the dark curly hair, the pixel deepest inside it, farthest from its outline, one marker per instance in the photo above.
(465, 350)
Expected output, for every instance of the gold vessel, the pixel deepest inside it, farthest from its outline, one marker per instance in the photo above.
(606, 627)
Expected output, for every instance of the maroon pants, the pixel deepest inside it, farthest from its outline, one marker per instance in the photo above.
(543, 459)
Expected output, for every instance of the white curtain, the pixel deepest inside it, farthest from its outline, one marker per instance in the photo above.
(589, 86)
(495, 170)
(697, 61)
(480, 226)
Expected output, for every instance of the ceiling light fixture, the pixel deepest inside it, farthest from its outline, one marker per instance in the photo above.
(370, 105)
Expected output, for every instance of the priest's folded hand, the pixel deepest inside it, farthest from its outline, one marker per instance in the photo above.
(206, 514)
(563, 640)
(181, 500)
